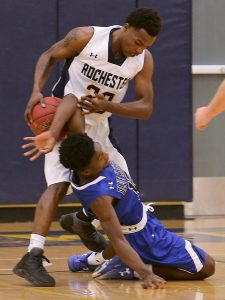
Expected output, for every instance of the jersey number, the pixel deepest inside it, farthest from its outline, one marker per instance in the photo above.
(96, 90)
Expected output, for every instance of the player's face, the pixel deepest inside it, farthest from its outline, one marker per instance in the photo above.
(135, 41)
(99, 161)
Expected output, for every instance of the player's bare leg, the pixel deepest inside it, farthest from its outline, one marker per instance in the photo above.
(30, 266)
(78, 222)
(47, 206)
(170, 273)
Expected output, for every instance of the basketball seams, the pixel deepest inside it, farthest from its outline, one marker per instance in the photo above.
(43, 116)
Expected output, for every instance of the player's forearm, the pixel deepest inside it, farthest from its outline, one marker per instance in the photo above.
(42, 71)
(217, 104)
(130, 257)
(109, 251)
(140, 109)
(112, 228)
(64, 112)
(123, 249)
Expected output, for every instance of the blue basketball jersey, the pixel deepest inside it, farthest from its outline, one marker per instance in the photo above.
(114, 182)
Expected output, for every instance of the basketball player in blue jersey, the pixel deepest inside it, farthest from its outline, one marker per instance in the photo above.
(135, 235)
(99, 63)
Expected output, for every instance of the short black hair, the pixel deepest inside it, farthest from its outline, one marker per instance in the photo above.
(145, 18)
(76, 151)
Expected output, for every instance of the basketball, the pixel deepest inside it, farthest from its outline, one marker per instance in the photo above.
(43, 116)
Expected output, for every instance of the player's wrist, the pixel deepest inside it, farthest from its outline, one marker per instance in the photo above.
(144, 272)
(107, 106)
(211, 112)
(36, 90)
(54, 133)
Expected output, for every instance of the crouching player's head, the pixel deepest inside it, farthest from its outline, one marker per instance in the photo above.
(81, 154)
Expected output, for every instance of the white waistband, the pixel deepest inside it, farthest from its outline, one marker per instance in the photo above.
(140, 225)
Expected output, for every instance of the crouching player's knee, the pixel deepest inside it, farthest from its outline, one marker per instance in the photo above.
(208, 268)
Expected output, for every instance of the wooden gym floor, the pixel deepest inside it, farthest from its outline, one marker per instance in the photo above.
(208, 233)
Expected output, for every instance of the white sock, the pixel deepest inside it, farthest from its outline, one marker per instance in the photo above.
(96, 258)
(95, 223)
(36, 241)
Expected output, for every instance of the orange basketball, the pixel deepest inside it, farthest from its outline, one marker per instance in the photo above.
(43, 116)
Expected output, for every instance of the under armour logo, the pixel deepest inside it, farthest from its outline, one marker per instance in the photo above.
(126, 271)
(94, 55)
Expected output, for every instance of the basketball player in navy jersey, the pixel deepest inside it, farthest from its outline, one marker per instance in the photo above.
(135, 235)
(99, 63)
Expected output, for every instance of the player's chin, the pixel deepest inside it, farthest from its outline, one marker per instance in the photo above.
(127, 53)
(130, 54)
(133, 54)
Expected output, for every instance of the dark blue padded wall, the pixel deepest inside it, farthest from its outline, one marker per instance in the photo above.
(165, 141)
(27, 29)
(98, 13)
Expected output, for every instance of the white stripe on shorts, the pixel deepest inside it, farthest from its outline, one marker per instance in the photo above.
(194, 256)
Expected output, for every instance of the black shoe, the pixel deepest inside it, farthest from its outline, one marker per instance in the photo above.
(91, 237)
(31, 268)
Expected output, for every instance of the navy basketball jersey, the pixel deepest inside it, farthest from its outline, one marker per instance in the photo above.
(93, 72)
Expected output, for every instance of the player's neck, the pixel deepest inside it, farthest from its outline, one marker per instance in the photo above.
(87, 178)
(116, 49)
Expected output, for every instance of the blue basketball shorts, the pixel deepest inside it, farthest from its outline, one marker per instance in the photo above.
(158, 246)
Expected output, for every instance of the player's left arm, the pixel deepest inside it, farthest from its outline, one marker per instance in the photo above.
(104, 210)
(66, 113)
(140, 108)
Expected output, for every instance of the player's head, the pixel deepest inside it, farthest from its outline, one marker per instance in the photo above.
(140, 31)
(78, 152)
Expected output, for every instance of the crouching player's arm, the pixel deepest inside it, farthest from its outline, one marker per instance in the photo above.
(104, 210)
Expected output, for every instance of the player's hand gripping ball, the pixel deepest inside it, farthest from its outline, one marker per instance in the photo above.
(42, 117)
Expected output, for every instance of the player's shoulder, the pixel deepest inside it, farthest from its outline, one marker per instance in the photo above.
(148, 56)
(78, 37)
(82, 33)
(148, 61)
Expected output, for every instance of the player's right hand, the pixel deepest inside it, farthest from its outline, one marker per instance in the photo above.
(202, 117)
(42, 143)
(45, 142)
(34, 99)
(33, 153)
(153, 281)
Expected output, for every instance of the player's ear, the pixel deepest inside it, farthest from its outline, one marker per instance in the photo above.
(86, 172)
(126, 26)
